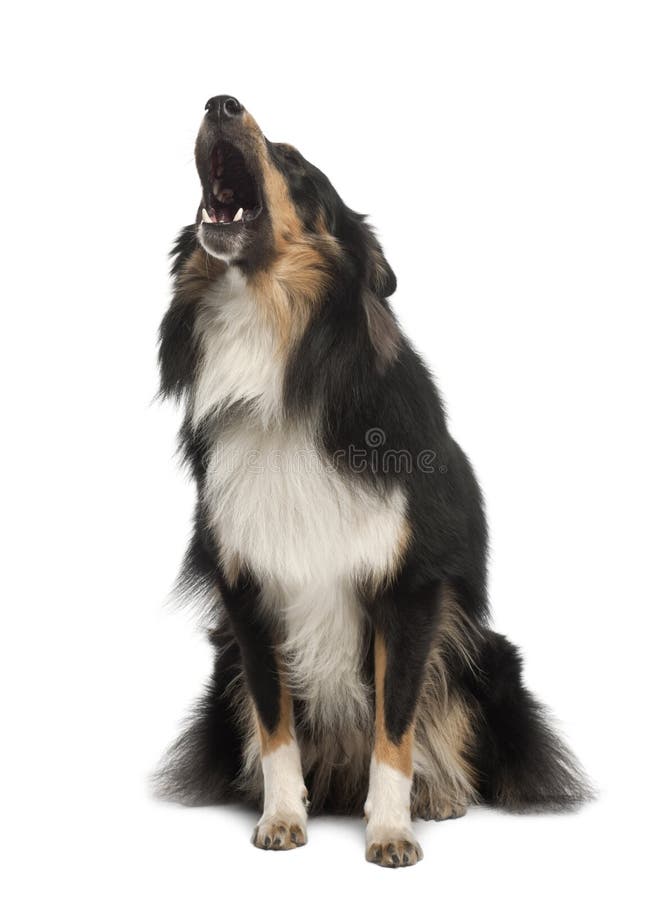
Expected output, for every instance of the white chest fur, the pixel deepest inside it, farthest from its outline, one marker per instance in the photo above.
(242, 360)
(277, 504)
(280, 506)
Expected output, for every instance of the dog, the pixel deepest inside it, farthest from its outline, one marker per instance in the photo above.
(339, 545)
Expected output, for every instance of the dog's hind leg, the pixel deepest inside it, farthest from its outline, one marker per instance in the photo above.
(443, 784)
(446, 723)
(404, 626)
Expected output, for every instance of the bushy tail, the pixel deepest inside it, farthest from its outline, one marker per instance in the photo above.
(521, 761)
(201, 766)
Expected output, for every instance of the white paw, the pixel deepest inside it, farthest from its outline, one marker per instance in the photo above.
(392, 847)
(280, 832)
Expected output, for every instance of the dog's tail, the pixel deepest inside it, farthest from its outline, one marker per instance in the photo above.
(201, 766)
(520, 760)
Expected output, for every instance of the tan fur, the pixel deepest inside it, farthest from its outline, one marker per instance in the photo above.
(398, 755)
(444, 781)
(380, 269)
(196, 275)
(290, 289)
(443, 784)
(284, 732)
(299, 274)
(232, 566)
(294, 282)
(383, 330)
(337, 764)
(433, 749)
(250, 124)
(405, 538)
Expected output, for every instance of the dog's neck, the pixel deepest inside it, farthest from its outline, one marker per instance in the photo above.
(242, 356)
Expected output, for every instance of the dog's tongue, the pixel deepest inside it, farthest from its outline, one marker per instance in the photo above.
(223, 215)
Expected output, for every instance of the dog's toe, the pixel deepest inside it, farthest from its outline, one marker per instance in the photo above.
(394, 854)
(276, 833)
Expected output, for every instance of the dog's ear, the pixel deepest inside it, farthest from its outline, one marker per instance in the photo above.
(380, 278)
(381, 283)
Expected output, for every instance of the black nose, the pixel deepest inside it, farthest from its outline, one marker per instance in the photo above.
(223, 107)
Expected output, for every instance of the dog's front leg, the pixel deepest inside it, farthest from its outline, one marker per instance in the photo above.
(404, 625)
(282, 825)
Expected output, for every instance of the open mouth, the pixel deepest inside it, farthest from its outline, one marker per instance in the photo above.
(235, 197)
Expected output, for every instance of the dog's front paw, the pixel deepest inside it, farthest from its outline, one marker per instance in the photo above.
(279, 833)
(394, 852)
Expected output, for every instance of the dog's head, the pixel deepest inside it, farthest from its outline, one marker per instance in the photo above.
(264, 206)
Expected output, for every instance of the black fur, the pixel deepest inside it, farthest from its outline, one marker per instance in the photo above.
(255, 638)
(203, 764)
(521, 761)
(177, 350)
(405, 616)
(335, 374)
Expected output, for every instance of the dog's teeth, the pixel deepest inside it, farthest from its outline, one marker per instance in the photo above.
(205, 216)
(239, 215)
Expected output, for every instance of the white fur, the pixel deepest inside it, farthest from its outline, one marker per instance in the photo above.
(387, 807)
(323, 647)
(226, 257)
(278, 505)
(297, 520)
(284, 790)
(308, 534)
(241, 360)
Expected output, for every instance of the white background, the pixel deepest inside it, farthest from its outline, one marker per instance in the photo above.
(502, 151)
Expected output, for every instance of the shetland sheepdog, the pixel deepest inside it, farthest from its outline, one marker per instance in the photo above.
(339, 544)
